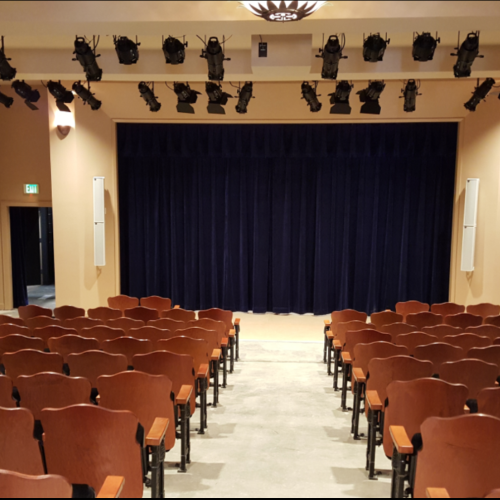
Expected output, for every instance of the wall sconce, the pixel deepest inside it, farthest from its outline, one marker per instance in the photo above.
(64, 122)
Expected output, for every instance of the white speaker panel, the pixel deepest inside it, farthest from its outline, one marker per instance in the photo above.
(468, 249)
(471, 202)
(99, 244)
(99, 209)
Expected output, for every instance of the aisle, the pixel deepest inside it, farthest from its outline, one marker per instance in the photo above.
(278, 433)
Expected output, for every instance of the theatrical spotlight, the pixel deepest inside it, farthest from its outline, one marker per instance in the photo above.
(148, 94)
(216, 98)
(6, 100)
(331, 55)
(86, 96)
(127, 50)
(29, 95)
(174, 50)
(87, 58)
(7, 72)
(309, 94)
(61, 95)
(245, 94)
(374, 47)
(424, 46)
(370, 97)
(466, 54)
(340, 99)
(185, 97)
(410, 93)
(214, 55)
(480, 93)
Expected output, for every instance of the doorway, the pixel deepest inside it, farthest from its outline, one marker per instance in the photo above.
(32, 242)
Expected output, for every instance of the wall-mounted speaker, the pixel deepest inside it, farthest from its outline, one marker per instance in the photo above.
(470, 224)
(99, 223)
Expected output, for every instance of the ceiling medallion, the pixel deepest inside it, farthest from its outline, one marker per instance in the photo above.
(283, 11)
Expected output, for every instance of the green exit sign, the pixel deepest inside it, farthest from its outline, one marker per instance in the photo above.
(31, 189)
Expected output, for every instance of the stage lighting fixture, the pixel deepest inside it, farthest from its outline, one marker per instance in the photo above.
(149, 96)
(331, 55)
(61, 95)
(410, 93)
(340, 99)
(29, 95)
(87, 58)
(370, 97)
(374, 47)
(309, 94)
(424, 46)
(245, 94)
(480, 93)
(216, 98)
(466, 54)
(7, 72)
(86, 96)
(214, 55)
(185, 97)
(174, 50)
(6, 100)
(127, 50)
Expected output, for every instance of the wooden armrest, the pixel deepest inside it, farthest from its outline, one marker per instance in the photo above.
(401, 440)
(112, 487)
(359, 375)
(232, 334)
(203, 371)
(237, 321)
(437, 493)
(466, 410)
(157, 432)
(177, 307)
(337, 345)
(328, 322)
(224, 342)
(329, 335)
(216, 355)
(346, 358)
(184, 395)
(374, 401)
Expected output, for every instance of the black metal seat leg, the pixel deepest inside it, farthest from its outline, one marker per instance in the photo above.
(237, 330)
(358, 397)
(372, 443)
(324, 345)
(345, 379)
(224, 364)
(336, 371)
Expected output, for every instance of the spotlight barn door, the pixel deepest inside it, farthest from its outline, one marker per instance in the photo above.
(99, 223)
(470, 224)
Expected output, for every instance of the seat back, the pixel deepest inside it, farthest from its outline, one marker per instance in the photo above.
(397, 329)
(79, 324)
(20, 450)
(68, 312)
(168, 324)
(125, 324)
(492, 320)
(364, 353)
(484, 310)
(489, 354)
(102, 333)
(92, 364)
(441, 331)
(476, 375)
(490, 331)
(14, 485)
(460, 454)
(158, 303)
(32, 311)
(30, 362)
(211, 336)
(179, 368)
(179, 315)
(423, 319)
(364, 337)
(218, 315)
(197, 349)
(51, 390)
(411, 403)
(86, 444)
(42, 321)
(127, 346)
(414, 340)
(9, 320)
(385, 318)
(14, 343)
(72, 344)
(142, 314)
(6, 400)
(411, 307)
(447, 309)
(147, 396)
(345, 316)
(104, 313)
(467, 341)
(150, 333)
(352, 326)
(488, 402)
(49, 332)
(463, 320)
(209, 324)
(9, 329)
(438, 354)
(123, 302)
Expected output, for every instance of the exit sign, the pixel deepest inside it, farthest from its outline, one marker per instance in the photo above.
(31, 189)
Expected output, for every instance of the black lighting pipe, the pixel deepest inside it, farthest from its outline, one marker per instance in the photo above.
(245, 95)
(311, 97)
(61, 95)
(86, 96)
(25, 91)
(127, 50)
(185, 97)
(214, 55)
(424, 46)
(410, 93)
(7, 72)
(480, 93)
(86, 56)
(174, 50)
(340, 99)
(217, 98)
(148, 95)
(6, 100)
(466, 55)
(331, 55)
(374, 47)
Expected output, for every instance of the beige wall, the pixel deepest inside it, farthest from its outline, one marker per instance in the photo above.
(24, 159)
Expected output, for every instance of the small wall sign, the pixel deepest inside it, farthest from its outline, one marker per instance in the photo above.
(31, 189)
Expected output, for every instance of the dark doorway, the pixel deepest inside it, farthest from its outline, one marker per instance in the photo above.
(32, 244)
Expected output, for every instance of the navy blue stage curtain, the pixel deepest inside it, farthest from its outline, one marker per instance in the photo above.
(287, 218)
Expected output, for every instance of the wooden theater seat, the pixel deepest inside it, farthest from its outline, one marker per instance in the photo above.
(51, 390)
(14, 343)
(488, 402)
(42, 321)
(151, 333)
(9, 320)
(447, 309)
(441, 331)
(484, 310)
(489, 354)
(463, 320)
(142, 314)
(423, 319)
(32, 311)
(6, 399)
(414, 340)
(492, 320)
(438, 354)
(168, 324)
(385, 318)
(49, 332)
(398, 329)
(179, 315)
(125, 324)
(123, 302)
(86, 444)
(490, 331)
(8, 329)
(30, 362)
(68, 312)
(72, 344)
(467, 341)
(411, 307)
(102, 333)
(158, 303)
(80, 323)
(127, 346)
(104, 313)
